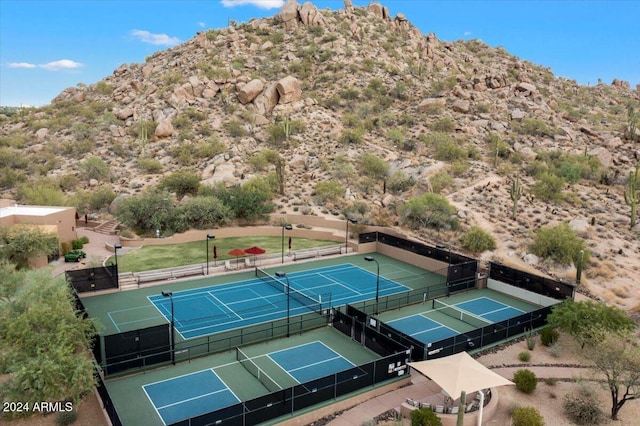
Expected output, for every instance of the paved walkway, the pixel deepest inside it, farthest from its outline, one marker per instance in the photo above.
(95, 249)
(421, 387)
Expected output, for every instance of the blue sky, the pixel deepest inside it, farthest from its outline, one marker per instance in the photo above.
(47, 45)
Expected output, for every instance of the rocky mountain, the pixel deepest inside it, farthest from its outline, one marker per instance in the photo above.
(378, 112)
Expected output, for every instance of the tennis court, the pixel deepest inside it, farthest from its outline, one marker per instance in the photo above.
(310, 361)
(462, 314)
(189, 395)
(217, 308)
(223, 383)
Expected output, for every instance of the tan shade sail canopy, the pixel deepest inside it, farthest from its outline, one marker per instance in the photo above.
(459, 372)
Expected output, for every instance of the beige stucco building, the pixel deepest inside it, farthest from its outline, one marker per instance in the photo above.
(58, 220)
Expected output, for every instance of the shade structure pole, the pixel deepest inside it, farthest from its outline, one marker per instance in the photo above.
(481, 407)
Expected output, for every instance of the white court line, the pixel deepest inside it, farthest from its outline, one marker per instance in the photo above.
(113, 321)
(193, 399)
(222, 304)
(313, 364)
(153, 405)
(341, 284)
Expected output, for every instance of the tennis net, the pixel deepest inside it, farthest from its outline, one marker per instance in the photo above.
(308, 301)
(460, 315)
(256, 371)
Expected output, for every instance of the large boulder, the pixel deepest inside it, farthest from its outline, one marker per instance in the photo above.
(311, 16)
(289, 89)
(289, 14)
(164, 129)
(249, 91)
(267, 100)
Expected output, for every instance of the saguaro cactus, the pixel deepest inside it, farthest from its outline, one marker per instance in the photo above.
(632, 193)
(516, 193)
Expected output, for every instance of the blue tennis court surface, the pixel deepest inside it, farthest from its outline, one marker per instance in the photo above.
(212, 309)
(189, 396)
(489, 309)
(310, 361)
(422, 328)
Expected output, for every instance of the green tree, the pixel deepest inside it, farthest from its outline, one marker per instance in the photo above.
(44, 359)
(41, 192)
(148, 211)
(182, 182)
(617, 356)
(94, 200)
(429, 210)
(559, 243)
(585, 320)
(250, 201)
(203, 212)
(22, 242)
(94, 168)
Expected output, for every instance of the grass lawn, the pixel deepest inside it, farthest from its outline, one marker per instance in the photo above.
(158, 257)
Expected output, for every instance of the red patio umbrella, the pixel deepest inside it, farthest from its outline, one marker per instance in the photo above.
(237, 253)
(254, 251)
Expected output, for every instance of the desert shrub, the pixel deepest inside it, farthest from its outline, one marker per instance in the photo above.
(65, 418)
(182, 182)
(41, 192)
(583, 407)
(549, 187)
(103, 88)
(526, 416)
(524, 356)
(429, 210)
(94, 168)
(549, 336)
(149, 165)
(399, 182)
(560, 244)
(551, 381)
(76, 244)
(449, 151)
(533, 127)
(65, 247)
(440, 181)
(235, 128)
(329, 191)
(84, 239)
(424, 417)
(351, 136)
(446, 125)
(373, 166)
(555, 350)
(478, 240)
(93, 200)
(525, 380)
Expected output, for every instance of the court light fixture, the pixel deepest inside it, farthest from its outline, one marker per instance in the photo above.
(288, 227)
(373, 259)
(281, 274)
(209, 237)
(346, 237)
(169, 294)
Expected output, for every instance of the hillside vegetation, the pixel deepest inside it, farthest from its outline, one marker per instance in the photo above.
(349, 113)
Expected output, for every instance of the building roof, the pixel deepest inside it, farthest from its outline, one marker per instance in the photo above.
(17, 210)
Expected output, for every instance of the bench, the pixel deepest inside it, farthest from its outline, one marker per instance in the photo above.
(325, 251)
(143, 277)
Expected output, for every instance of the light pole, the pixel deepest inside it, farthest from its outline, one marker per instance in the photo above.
(288, 228)
(373, 259)
(115, 255)
(281, 274)
(346, 237)
(209, 237)
(169, 294)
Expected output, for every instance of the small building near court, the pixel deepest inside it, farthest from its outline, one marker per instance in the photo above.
(51, 219)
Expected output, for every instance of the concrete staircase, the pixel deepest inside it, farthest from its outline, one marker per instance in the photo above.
(108, 228)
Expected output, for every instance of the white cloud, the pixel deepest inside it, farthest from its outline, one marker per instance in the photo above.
(467, 33)
(202, 24)
(157, 39)
(262, 4)
(21, 65)
(62, 64)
